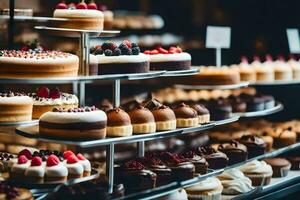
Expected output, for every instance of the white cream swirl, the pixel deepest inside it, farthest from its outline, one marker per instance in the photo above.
(258, 167)
(177, 195)
(211, 183)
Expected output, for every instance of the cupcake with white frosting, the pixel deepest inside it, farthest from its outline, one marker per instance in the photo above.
(177, 195)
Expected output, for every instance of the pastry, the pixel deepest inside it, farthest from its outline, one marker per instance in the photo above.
(80, 16)
(203, 113)
(295, 162)
(177, 195)
(201, 165)
(37, 64)
(74, 167)
(247, 72)
(142, 120)
(45, 100)
(172, 59)
(118, 123)
(87, 168)
(36, 171)
(215, 159)
(56, 171)
(77, 123)
(234, 182)
(18, 169)
(211, 188)
(295, 65)
(255, 145)
(15, 107)
(225, 136)
(255, 103)
(268, 140)
(283, 138)
(185, 116)
(7, 191)
(264, 71)
(220, 110)
(282, 70)
(259, 172)
(280, 166)
(123, 59)
(235, 151)
(238, 105)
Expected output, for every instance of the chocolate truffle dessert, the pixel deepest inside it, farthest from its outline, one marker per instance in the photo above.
(185, 116)
(136, 178)
(201, 166)
(203, 113)
(280, 166)
(118, 123)
(215, 159)
(142, 120)
(220, 110)
(235, 151)
(256, 146)
(238, 105)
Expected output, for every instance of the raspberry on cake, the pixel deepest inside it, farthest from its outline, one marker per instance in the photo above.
(120, 59)
(37, 63)
(55, 170)
(171, 60)
(36, 171)
(80, 16)
(76, 123)
(45, 100)
(15, 107)
(75, 168)
(87, 168)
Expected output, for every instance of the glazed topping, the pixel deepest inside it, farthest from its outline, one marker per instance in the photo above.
(109, 48)
(152, 104)
(26, 153)
(150, 161)
(33, 54)
(75, 110)
(80, 157)
(6, 156)
(134, 165)
(11, 94)
(72, 159)
(117, 117)
(185, 111)
(22, 159)
(36, 161)
(10, 191)
(52, 161)
(252, 139)
(67, 154)
(277, 162)
(160, 50)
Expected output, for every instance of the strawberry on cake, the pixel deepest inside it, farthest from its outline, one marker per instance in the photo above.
(80, 16)
(172, 59)
(45, 100)
(120, 59)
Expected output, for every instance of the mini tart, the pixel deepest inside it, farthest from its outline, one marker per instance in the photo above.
(75, 168)
(235, 151)
(15, 107)
(186, 116)
(80, 19)
(142, 120)
(56, 171)
(255, 145)
(280, 166)
(78, 123)
(42, 105)
(203, 113)
(118, 123)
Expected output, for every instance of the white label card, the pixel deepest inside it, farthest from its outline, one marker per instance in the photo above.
(293, 39)
(218, 37)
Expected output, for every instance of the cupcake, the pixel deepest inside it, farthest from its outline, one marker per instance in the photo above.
(235, 151)
(87, 168)
(36, 171)
(177, 195)
(203, 113)
(283, 138)
(18, 169)
(220, 110)
(142, 120)
(234, 182)
(118, 123)
(56, 171)
(269, 140)
(215, 159)
(165, 118)
(295, 162)
(75, 168)
(201, 165)
(185, 116)
(259, 172)
(255, 145)
(280, 166)
(211, 188)
(238, 104)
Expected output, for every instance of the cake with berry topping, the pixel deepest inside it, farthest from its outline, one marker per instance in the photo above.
(37, 63)
(77, 123)
(18, 169)
(172, 59)
(75, 168)
(87, 168)
(45, 100)
(55, 170)
(15, 107)
(123, 59)
(80, 16)
(36, 171)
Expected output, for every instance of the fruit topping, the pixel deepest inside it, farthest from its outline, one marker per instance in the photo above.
(108, 52)
(136, 50)
(22, 159)
(43, 92)
(80, 157)
(92, 5)
(109, 45)
(117, 52)
(26, 153)
(61, 5)
(67, 154)
(55, 94)
(52, 161)
(36, 161)
(72, 6)
(72, 159)
(82, 5)
(269, 57)
(32, 46)
(127, 43)
(160, 50)
(102, 7)
(109, 48)
(134, 165)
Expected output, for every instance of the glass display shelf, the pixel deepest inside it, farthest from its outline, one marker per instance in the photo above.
(212, 87)
(277, 108)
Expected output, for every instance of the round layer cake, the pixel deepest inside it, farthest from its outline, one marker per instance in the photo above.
(77, 123)
(170, 60)
(37, 64)
(15, 107)
(45, 100)
(80, 19)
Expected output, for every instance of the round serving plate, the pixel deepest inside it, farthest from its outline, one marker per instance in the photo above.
(188, 72)
(277, 108)
(15, 124)
(52, 184)
(275, 83)
(212, 87)
(33, 18)
(234, 117)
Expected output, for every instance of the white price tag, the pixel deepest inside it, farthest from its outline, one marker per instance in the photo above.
(218, 37)
(293, 39)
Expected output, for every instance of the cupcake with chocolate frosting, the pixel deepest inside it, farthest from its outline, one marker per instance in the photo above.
(255, 145)
(235, 151)
(118, 123)
(215, 159)
(142, 120)
(203, 113)
(201, 165)
(185, 116)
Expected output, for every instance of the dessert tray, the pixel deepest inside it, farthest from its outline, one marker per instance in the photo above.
(212, 87)
(277, 108)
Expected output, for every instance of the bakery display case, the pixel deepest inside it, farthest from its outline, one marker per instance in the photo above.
(112, 118)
